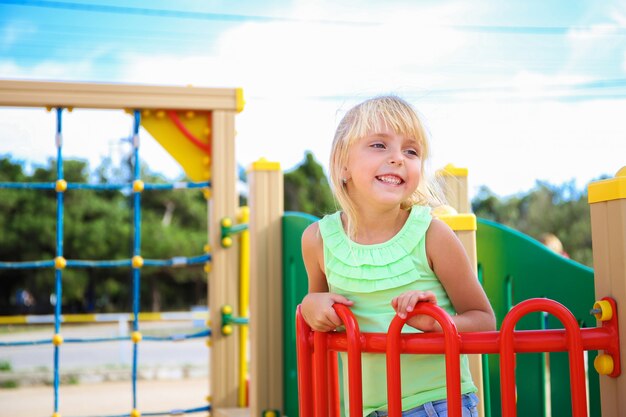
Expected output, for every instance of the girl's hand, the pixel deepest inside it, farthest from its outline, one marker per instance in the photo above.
(318, 311)
(405, 303)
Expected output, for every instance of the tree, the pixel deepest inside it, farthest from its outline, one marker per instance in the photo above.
(307, 189)
(558, 209)
(97, 226)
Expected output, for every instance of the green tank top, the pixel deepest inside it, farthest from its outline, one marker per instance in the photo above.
(371, 275)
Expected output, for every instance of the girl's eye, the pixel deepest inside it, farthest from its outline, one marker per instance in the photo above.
(412, 152)
(378, 145)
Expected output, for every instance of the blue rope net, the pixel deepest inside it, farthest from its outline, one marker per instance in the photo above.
(57, 340)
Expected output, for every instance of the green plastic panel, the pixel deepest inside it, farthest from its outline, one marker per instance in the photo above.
(295, 287)
(514, 267)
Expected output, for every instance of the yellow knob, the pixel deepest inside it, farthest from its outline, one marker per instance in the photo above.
(606, 311)
(138, 186)
(227, 242)
(207, 248)
(57, 340)
(56, 414)
(136, 337)
(160, 114)
(208, 342)
(135, 413)
(60, 262)
(60, 186)
(227, 309)
(207, 267)
(227, 222)
(604, 364)
(270, 413)
(190, 115)
(146, 113)
(227, 330)
(137, 261)
(207, 131)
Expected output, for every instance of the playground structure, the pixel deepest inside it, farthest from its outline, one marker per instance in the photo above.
(202, 141)
(318, 374)
(277, 281)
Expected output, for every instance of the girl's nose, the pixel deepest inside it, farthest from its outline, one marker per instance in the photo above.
(396, 160)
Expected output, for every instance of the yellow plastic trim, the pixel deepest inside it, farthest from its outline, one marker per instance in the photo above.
(79, 318)
(13, 320)
(453, 170)
(57, 340)
(606, 311)
(60, 262)
(136, 337)
(138, 186)
(137, 261)
(609, 189)
(243, 216)
(239, 99)
(604, 364)
(264, 165)
(60, 186)
(459, 222)
(148, 316)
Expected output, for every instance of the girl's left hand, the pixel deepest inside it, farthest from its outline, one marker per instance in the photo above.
(405, 303)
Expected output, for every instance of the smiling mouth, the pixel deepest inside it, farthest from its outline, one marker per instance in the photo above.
(390, 179)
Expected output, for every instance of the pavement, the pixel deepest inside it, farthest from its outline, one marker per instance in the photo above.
(96, 377)
(105, 399)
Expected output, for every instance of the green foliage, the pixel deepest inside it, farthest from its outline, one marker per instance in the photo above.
(98, 226)
(558, 209)
(307, 189)
(5, 366)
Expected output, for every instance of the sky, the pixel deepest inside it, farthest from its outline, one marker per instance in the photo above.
(516, 91)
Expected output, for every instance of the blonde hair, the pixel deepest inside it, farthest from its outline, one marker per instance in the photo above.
(368, 117)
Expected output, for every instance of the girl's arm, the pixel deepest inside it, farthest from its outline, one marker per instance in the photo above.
(317, 305)
(450, 263)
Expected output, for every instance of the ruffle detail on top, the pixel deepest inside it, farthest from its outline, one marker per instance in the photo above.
(368, 268)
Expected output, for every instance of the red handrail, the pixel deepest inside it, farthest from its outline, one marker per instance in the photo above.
(574, 346)
(452, 348)
(318, 390)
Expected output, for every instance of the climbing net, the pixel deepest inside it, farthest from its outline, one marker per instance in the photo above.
(136, 262)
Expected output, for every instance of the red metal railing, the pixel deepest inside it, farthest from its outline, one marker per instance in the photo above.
(317, 359)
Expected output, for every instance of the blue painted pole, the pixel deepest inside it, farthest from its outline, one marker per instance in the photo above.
(59, 252)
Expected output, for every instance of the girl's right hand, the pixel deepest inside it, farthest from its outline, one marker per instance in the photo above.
(318, 311)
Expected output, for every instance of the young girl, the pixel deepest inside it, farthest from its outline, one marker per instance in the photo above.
(383, 253)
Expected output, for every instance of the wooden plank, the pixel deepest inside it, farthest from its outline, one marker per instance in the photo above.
(15, 93)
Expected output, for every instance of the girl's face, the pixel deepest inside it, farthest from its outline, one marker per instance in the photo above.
(384, 169)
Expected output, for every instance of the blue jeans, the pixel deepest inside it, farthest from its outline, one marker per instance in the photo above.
(438, 408)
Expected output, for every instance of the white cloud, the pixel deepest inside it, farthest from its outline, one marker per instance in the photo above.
(285, 68)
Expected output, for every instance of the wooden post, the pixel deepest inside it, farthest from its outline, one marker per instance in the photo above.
(464, 225)
(607, 201)
(265, 180)
(455, 187)
(223, 278)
